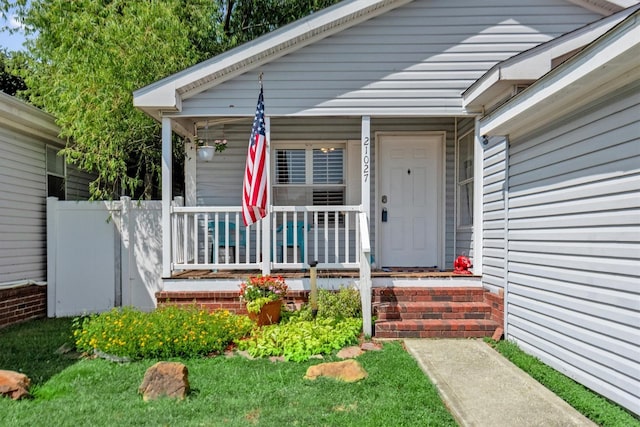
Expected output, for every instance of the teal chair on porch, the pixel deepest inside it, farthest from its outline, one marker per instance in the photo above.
(300, 231)
(222, 237)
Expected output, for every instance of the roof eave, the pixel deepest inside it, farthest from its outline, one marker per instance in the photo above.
(607, 64)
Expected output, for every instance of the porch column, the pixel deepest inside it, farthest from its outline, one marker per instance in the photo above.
(190, 168)
(266, 221)
(478, 189)
(365, 252)
(166, 196)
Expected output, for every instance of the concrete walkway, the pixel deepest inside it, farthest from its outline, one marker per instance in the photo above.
(482, 388)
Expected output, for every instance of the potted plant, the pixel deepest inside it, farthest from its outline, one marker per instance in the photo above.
(263, 296)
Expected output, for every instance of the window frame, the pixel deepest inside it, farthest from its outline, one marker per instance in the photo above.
(309, 146)
(51, 173)
(468, 181)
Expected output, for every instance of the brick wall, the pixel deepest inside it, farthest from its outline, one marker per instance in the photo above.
(496, 301)
(22, 304)
(228, 300)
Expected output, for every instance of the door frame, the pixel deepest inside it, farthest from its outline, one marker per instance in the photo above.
(379, 137)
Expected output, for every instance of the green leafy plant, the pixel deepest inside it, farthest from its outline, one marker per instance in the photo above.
(166, 332)
(260, 290)
(342, 304)
(298, 340)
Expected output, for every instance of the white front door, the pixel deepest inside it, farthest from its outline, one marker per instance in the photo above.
(409, 204)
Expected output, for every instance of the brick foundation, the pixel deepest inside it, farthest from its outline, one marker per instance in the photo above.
(21, 304)
(496, 302)
(227, 300)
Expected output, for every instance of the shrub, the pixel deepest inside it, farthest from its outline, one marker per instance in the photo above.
(343, 304)
(298, 340)
(166, 332)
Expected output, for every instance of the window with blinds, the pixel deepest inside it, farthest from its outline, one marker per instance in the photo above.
(313, 175)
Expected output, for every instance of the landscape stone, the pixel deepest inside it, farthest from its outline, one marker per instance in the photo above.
(170, 379)
(347, 371)
(349, 352)
(371, 346)
(14, 385)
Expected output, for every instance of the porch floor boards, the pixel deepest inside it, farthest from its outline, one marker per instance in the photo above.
(396, 272)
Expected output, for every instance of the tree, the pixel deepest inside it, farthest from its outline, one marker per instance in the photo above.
(10, 83)
(85, 58)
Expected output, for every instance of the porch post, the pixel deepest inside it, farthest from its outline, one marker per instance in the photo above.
(266, 221)
(365, 252)
(166, 196)
(478, 189)
(190, 166)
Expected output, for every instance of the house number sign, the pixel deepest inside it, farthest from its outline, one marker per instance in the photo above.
(365, 159)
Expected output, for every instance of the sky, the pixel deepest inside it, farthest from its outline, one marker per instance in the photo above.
(9, 41)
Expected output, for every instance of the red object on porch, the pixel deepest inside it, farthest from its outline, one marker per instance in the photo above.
(461, 265)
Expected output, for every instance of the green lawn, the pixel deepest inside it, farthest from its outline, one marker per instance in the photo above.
(225, 391)
(595, 407)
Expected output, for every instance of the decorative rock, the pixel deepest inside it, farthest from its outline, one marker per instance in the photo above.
(347, 371)
(349, 352)
(169, 379)
(370, 346)
(14, 385)
(497, 334)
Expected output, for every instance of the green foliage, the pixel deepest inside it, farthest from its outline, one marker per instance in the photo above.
(298, 340)
(225, 391)
(345, 303)
(595, 407)
(166, 332)
(260, 290)
(85, 58)
(10, 83)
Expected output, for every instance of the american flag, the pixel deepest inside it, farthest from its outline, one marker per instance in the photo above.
(254, 197)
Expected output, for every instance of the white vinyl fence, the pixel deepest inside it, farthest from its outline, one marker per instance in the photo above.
(102, 255)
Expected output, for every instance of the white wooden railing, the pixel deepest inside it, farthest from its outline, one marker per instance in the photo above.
(215, 238)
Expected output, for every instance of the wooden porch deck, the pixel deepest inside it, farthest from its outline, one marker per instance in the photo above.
(392, 272)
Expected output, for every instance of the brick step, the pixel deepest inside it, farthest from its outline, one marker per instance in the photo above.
(433, 310)
(456, 294)
(435, 328)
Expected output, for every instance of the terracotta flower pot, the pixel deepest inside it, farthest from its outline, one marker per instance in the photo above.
(269, 313)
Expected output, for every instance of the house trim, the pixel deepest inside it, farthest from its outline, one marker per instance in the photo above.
(531, 65)
(167, 94)
(375, 222)
(607, 64)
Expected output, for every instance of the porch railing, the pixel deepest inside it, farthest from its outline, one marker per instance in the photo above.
(215, 238)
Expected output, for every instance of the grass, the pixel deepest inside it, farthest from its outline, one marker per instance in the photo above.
(225, 391)
(592, 405)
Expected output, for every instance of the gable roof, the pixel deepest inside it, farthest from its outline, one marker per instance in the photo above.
(608, 63)
(167, 94)
(530, 65)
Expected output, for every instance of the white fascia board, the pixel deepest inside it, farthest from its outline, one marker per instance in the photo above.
(604, 7)
(593, 64)
(534, 63)
(25, 118)
(166, 93)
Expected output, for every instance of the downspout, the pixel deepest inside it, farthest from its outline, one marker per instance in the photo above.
(505, 286)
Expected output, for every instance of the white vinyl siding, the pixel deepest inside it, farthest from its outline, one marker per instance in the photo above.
(493, 201)
(25, 132)
(574, 245)
(22, 207)
(219, 182)
(415, 60)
